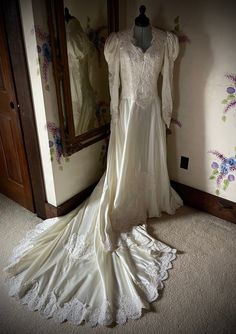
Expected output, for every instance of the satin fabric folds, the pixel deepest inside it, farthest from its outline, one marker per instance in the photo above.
(98, 263)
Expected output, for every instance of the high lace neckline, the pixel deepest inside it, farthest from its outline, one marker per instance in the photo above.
(134, 42)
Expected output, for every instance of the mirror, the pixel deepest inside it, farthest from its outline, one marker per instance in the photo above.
(78, 31)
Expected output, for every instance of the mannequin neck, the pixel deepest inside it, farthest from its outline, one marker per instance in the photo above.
(143, 36)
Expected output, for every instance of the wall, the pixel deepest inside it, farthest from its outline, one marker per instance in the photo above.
(64, 177)
(204, 118)
(37, 97)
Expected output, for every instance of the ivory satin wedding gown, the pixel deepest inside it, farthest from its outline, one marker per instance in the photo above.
(81, 54)
(98, 263)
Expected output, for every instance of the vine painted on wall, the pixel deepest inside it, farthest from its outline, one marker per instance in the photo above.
(55, 144)
(223, 170)
(44, 51)
(230, 99)
(183, 38)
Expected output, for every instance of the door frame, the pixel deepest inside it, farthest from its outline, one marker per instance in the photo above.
(16, 48)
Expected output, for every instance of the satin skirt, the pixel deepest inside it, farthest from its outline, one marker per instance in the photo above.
(98, 263)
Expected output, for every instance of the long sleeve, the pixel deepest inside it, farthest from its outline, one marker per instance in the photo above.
(111, 52)
(170, 54)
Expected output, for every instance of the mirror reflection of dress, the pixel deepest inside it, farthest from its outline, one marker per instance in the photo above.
(81, 55)
(98, 263)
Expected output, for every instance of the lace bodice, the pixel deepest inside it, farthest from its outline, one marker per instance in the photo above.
(137, 72)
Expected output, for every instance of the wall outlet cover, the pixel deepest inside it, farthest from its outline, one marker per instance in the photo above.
(184, 162)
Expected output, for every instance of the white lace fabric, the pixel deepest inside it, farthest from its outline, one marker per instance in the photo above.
(137, 72)
(120, 308)
(98, 264)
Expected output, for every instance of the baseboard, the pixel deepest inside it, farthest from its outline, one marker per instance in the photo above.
(70, 204)
(195, 198)
(215, 205)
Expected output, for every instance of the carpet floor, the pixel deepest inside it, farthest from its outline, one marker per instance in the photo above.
(199, 296)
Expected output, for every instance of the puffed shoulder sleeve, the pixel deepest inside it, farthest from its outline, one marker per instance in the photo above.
(111, 52)
(171, 52)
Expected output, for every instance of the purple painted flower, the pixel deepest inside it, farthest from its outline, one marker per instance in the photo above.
(47, 51)
(57, 140)
(176, 121)
(231, 177)
(230, 105)
(214, 165)
(55, 131)
(231, 77)
(184, 39)
(38, 48)
(224, 168)
(231, 161)
(230, 90)
(219, 179)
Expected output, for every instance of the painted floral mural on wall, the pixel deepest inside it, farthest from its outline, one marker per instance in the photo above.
(230, 99)
(223, 170)
(183, 38)
(44, 51)
(55, 144)
(173, 121)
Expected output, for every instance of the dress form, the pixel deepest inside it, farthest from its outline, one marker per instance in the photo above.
(143, 37)
(142, 31)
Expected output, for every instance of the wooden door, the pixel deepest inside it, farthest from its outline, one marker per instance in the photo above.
(14, 174)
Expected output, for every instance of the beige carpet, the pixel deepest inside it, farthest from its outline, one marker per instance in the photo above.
(199, 295)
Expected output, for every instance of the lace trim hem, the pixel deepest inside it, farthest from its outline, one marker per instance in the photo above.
(75, 311)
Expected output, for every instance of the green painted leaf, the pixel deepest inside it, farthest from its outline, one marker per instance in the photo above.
(51, 158)
(67, 159)
(177, 28)
(223, 118)
(215, 171)
(230, 97)
(226, 184)
(235, 148)
(225, 187)
(212, 177)
(224, 101)
(60, 168)
(217, 192)
(176, 20)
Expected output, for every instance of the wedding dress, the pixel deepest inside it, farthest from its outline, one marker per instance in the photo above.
(98, 263)
(81, 55)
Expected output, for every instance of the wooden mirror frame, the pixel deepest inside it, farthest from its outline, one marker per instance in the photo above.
(56, 22)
